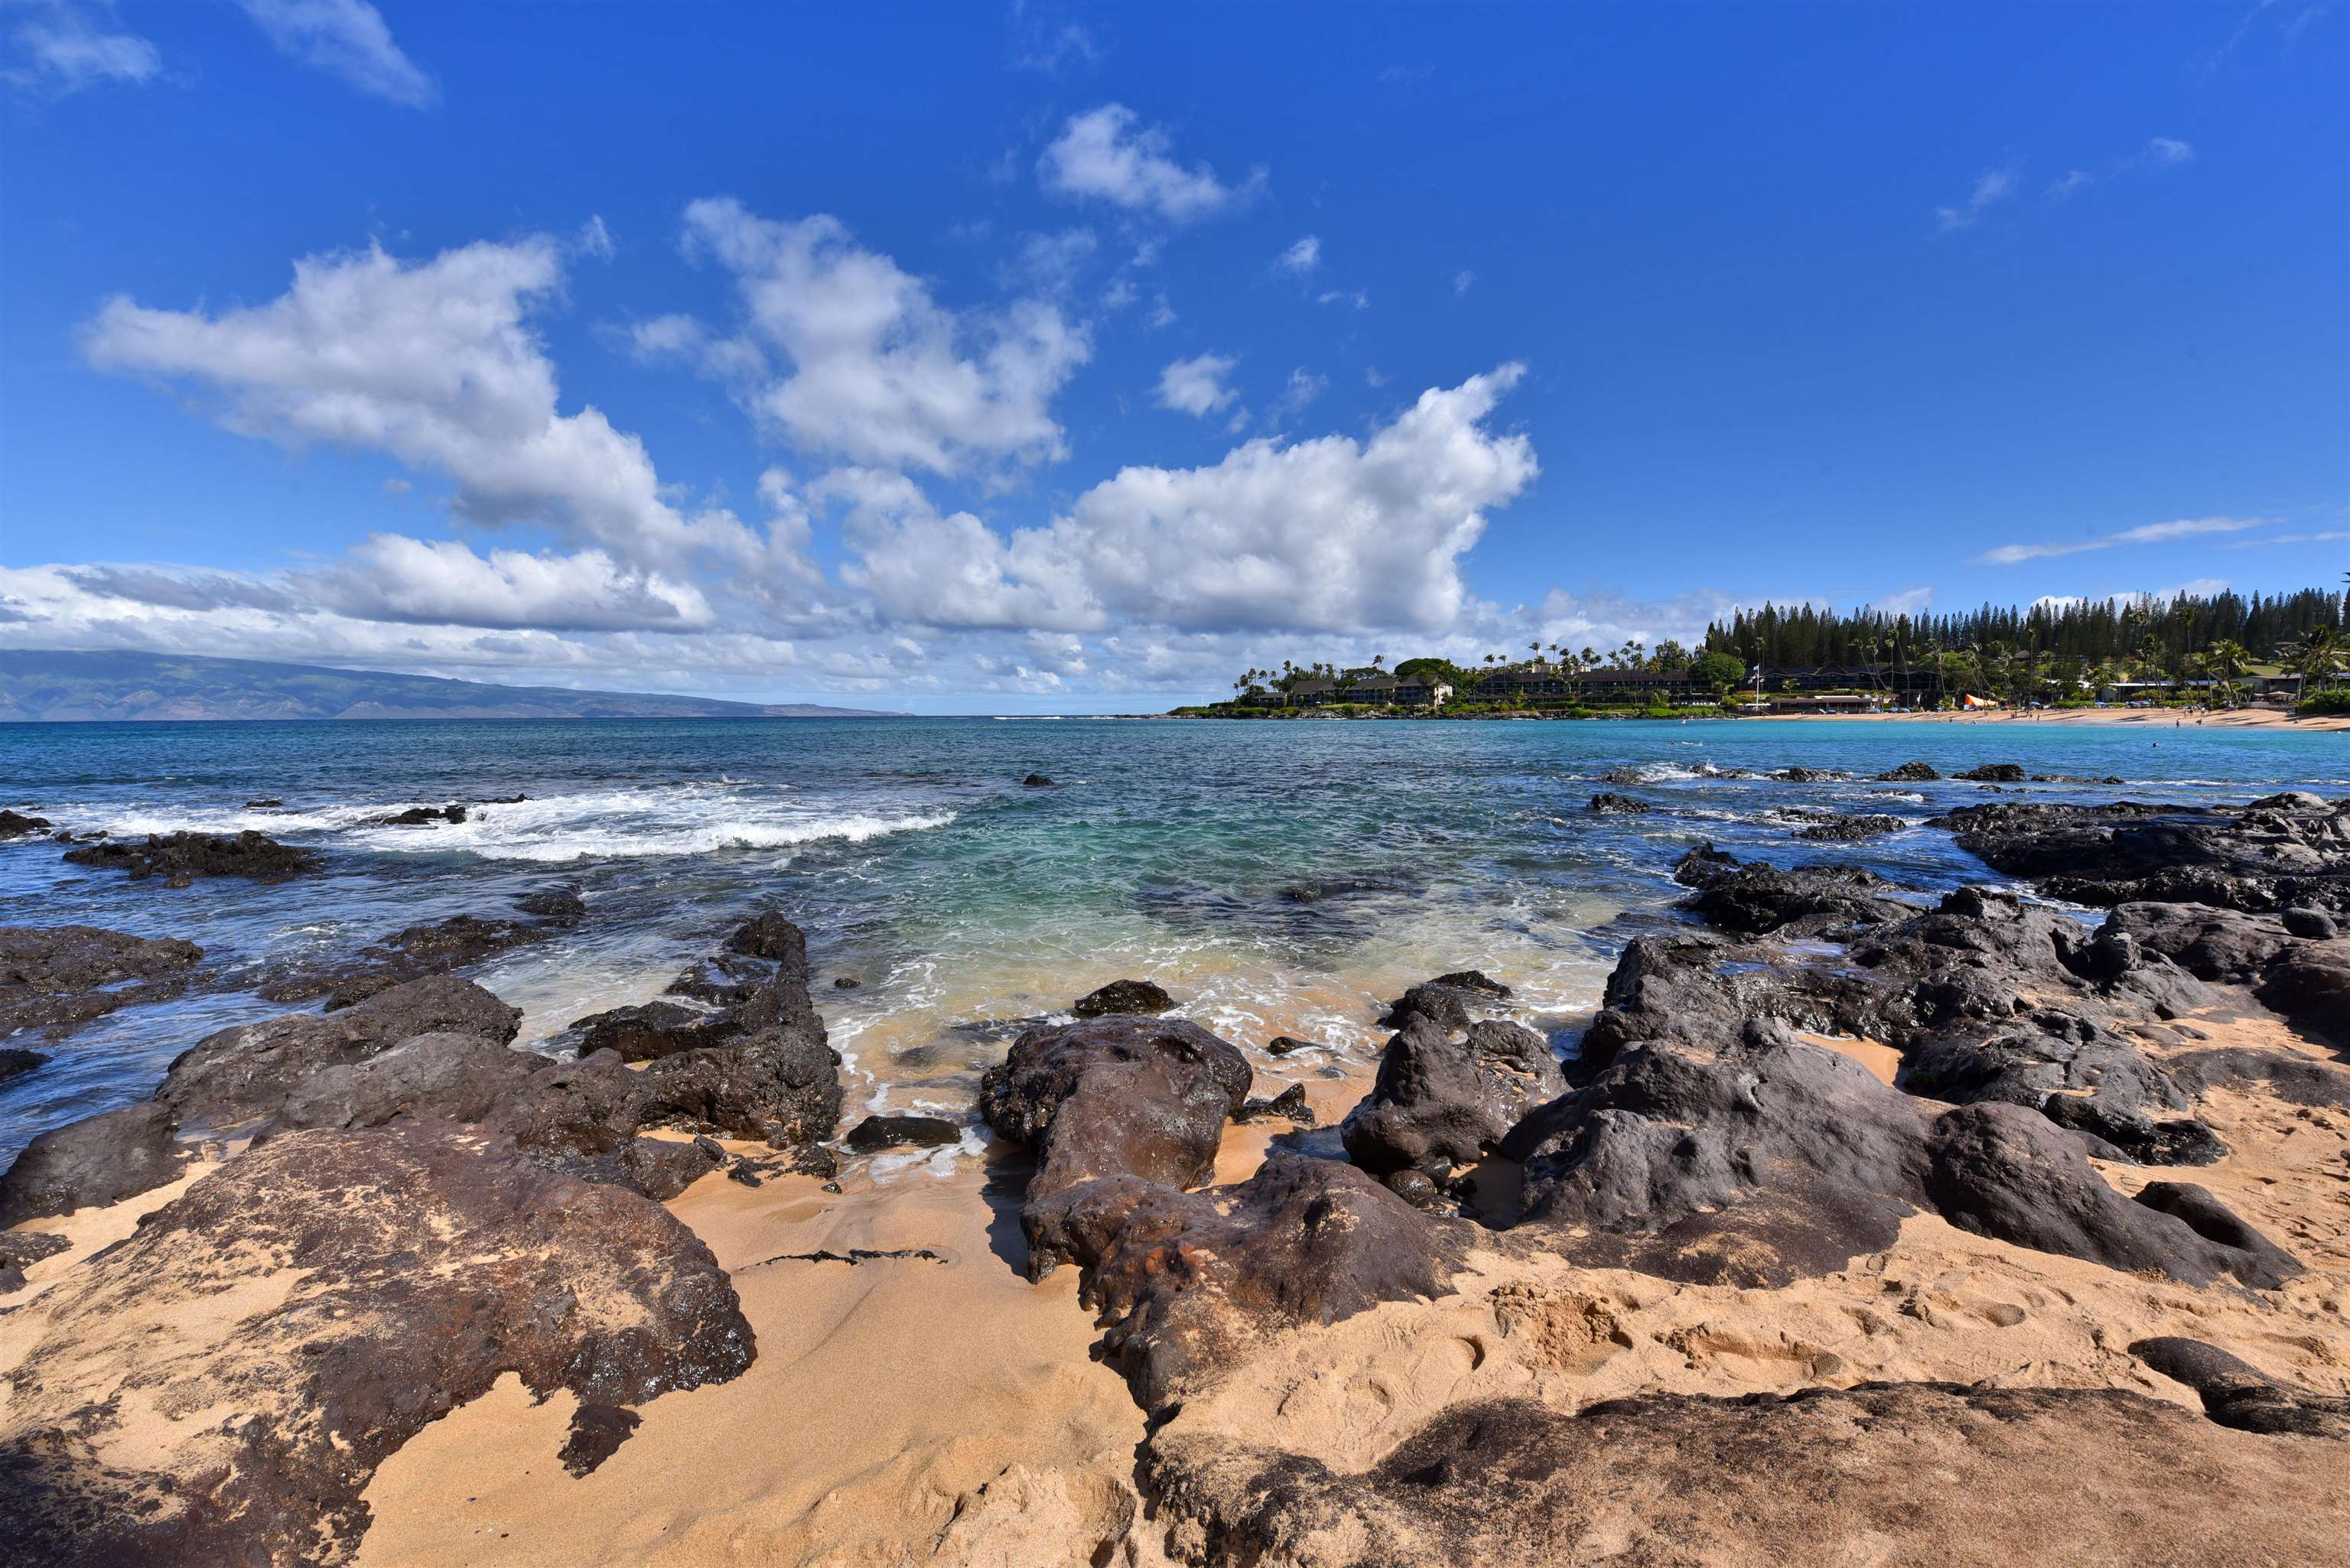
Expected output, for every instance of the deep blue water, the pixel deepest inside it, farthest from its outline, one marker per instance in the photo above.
(1280, 877)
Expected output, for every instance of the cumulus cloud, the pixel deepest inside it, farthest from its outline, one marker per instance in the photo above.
(2144, 534)
(188, 590)
(63, 47)
(434, 363)
(394, 578)
(1107, 154)
(1319, 534)
(346, 38)
(874, 370)
(1302, 257)
(1196, 385)
(1992, 188)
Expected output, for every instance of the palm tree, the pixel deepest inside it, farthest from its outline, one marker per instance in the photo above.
(2316, 656)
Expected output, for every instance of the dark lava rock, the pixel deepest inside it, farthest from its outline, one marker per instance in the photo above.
(418, 816)
(458, 942)
(1288, 1106)
(2236, 1394)
(1823, 1476)
(1809, 775)
(2307, 982)
(1623, 776)
(2296, 1080)
(14, 824)
(877, 1133)
(265, 803)
(1722, 1149)
(1753, 897)
(1136, 996)
(411, 1269)
(1608, 803)
(556, 906)
(246, 1072)
(229, 1079)
(1994, 772)
(648, 1030)
(1284, 1044)
(2284, 852)
(2312, 925)
(450, 1076)
(253, 855)
(1188, 1282)
(1036, 781)
(18, 1247)
(1910, 772)
(1446, 1096)
(2077, 779)
(99, 1159)
(846, 982)
(16, 1061)
(2002, 1171)
(1451, 1001)
(54, 977)
(1842, 829)
(1112, 1099)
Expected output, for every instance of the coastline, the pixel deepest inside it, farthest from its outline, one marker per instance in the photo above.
(2143, 717)
(1474, 1312)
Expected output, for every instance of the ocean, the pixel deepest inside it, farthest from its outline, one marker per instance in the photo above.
(1279, 878)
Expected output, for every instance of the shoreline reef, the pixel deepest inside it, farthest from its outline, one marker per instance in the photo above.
(1856, 1222)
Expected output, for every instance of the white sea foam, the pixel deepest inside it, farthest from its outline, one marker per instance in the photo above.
(599, 825)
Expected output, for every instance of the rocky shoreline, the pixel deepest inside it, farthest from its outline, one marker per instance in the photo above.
(1858, 1222)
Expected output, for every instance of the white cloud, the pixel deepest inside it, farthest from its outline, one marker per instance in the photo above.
(1909, 601)
(1461, 281)
(1107, 154)
(1302, 257)
(395, 578)
(879, 372)
(1360, 298)
(1303, 387)
(595, 239)
(1329, 535)
(62, 48)
(1162, 315)
(2144, 534)
(1196, 385)
(433, 363)
(346, 38)
(1994, 186)
(2168, 151)
(2070, 185)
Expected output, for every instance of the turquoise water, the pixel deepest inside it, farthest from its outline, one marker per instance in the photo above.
(1280, 878)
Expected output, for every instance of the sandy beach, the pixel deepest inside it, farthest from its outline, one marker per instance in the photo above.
(2144, 718)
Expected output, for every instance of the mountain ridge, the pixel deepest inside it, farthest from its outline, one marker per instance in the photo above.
(61, 686)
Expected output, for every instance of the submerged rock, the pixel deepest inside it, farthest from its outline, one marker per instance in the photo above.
(248, 853)
(1608, 803)
(55, 977)
(1846, 829)
(418, 816)
(15, 825)
(458, 942)
(877, 1133)
(2285, 851)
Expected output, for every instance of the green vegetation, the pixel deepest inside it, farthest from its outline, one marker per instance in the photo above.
(2328, 704)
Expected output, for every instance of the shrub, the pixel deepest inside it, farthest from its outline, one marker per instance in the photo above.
(2334, 702)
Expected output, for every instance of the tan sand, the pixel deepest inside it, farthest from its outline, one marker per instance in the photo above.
(917, 1411)
(2147, 718)
(1882, 1059)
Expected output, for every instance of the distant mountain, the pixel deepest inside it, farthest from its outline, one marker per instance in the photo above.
(56, 686)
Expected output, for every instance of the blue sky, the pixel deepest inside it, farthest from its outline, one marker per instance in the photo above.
(1056, 359)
